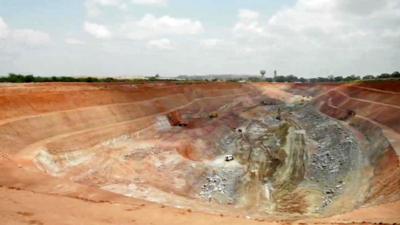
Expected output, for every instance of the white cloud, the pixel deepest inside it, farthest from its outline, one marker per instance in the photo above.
(319, 32)
(162, 44)
(3, 29)
(148, 27)
(337, 23)
(151, 2)
(116, 3)
(249, 24)
(153, 27)
(97, 30)
(310, 38)
(28, 37)
(211, 43)
(18, 43)
(73, 41)
(94, 7)
(248, 15)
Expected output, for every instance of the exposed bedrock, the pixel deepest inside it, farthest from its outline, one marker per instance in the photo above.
(262, 150)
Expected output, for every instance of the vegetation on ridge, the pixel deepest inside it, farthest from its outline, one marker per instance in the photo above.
(19, 78)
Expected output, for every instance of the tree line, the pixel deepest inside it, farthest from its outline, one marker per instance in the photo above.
(19, 78)
(331, 78)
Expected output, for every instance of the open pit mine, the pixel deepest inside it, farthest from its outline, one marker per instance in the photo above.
(206, 153)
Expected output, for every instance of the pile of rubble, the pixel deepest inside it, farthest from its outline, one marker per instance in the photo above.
(337, 152)
(221, 185)
(214, 185)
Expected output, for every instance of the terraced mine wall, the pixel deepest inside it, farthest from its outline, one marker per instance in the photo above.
(375, 110)
(33, 113)
(260, 150)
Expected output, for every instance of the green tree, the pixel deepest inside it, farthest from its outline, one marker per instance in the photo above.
(396, 74)
(369, 77)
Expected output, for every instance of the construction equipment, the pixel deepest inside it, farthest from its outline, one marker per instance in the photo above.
(213, 115)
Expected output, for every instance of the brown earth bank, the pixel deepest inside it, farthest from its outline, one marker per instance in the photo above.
(210, 153)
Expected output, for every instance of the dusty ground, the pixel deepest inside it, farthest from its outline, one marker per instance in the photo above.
(64, 146)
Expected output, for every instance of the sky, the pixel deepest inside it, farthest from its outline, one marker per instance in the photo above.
(123, 38)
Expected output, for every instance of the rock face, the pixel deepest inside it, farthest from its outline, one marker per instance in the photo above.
(295, 150)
